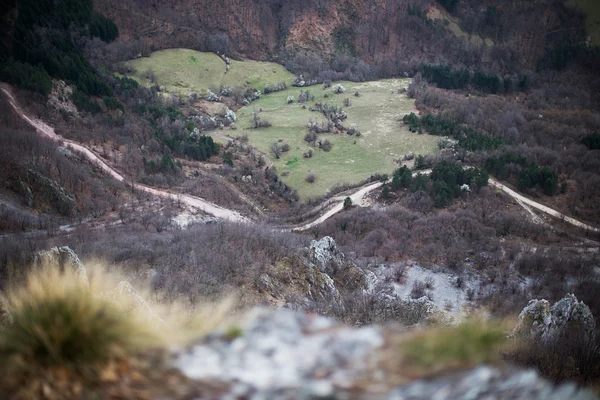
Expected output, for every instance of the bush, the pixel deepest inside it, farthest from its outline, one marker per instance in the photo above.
(338, 89)
(418, 289)
(56, 320)
(310, 178)
(592, 141)
(326, 146)
(83, 102)
(347, 203)
(112, 104)
(402, 178)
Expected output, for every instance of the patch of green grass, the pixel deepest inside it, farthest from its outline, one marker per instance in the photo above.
(183, 71)
(377, 112)
(466, 345)
(291, 162)
(233, 332)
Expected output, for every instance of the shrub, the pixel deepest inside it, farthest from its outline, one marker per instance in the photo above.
(112, 104)
(418, 289)
(592, 141)
(56, 320)
(257, 122)
(83, 102)
(310, 178)
(429, 283)
(347, 203)
(326, 146)
(338, 89)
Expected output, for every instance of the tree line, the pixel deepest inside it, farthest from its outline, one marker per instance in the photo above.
(446, 182)
(529, 173)
(468, 138)
(447, 77)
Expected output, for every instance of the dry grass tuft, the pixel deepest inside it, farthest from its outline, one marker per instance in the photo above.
(56, 320)
(63, 336)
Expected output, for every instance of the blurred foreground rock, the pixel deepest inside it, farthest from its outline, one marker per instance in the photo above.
(284, 354)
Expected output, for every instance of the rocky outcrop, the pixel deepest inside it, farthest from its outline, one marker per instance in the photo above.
(285, 353)
(63, 257)
(292, 355)
(125, 292)
(325, 255)
(545, 322)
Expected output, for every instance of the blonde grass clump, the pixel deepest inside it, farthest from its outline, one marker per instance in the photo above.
(58, 318)
(53, 319)
(70, 329)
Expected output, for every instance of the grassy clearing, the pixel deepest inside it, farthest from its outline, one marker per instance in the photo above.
(184, 71)
(377, 112)
(592, 21)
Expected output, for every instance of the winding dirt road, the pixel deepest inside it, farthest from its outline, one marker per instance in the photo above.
(193, 201)
(230, 215)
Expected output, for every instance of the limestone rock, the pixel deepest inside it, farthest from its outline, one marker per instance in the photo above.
(285, 351)
(324, 252)
(541, 320)
(126, 291)
(63, 257)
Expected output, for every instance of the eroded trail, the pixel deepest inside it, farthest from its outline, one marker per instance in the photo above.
(193, 201)
(234, 216)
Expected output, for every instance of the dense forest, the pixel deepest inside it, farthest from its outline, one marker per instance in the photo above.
(45, 44)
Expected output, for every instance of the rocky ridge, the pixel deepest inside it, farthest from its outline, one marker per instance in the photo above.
(545, 322)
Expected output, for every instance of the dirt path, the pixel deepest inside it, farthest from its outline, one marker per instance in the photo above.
(230, 215)
(356, 197)
(193, 201)
(547, 210)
